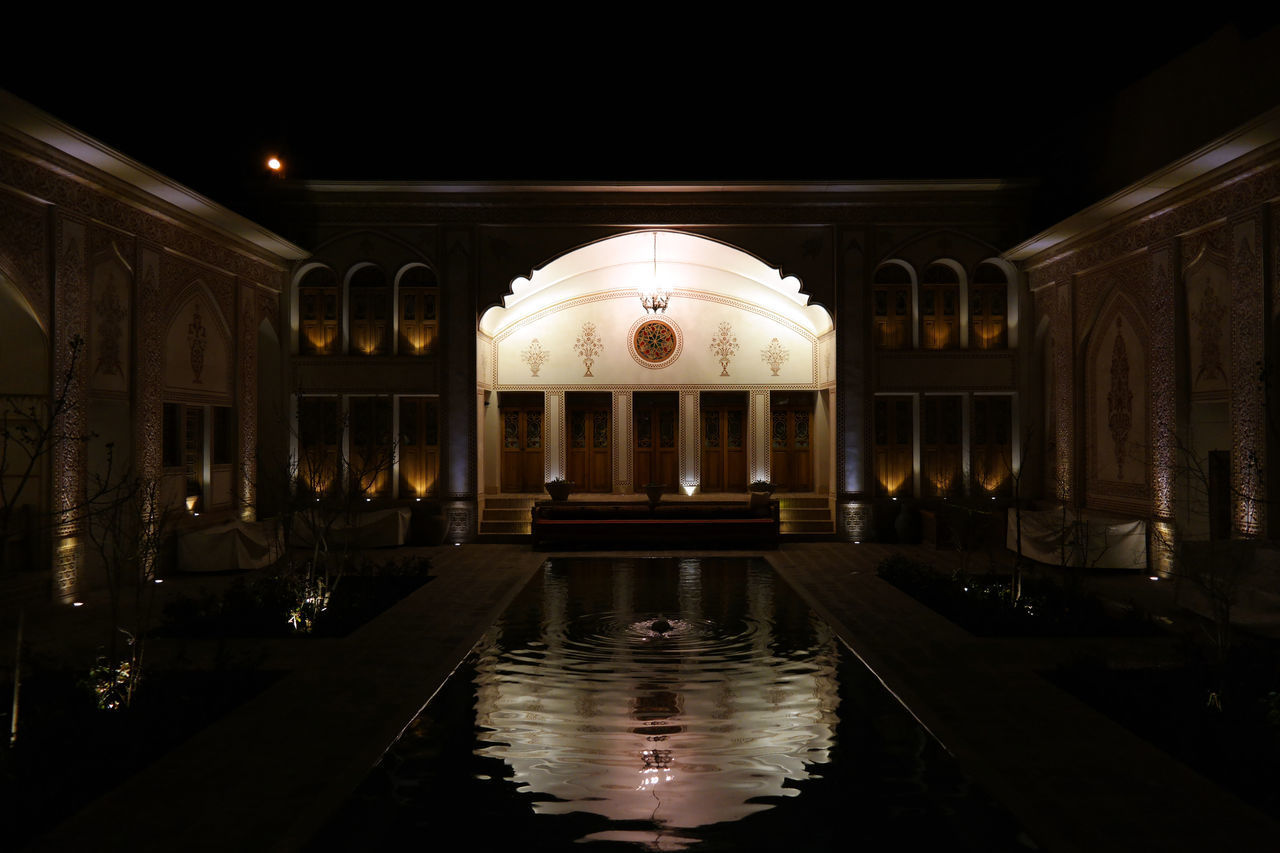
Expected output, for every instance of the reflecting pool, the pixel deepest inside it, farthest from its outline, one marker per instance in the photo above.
(665, 704)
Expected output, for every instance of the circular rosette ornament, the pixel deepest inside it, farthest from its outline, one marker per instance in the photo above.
(655, 343)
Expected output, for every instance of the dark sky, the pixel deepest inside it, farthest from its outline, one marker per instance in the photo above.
(818, 102)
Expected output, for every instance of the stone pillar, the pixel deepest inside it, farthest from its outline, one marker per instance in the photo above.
(69, 458)
(555, 461)
(459, 333)
(1248, 403)
(623, 441)
(759, 447)
(852, 391)
(246, 380)
(690, 439)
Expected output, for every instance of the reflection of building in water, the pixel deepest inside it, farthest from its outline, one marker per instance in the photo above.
(686, 727)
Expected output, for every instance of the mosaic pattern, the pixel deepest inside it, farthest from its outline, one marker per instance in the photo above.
(654, 341)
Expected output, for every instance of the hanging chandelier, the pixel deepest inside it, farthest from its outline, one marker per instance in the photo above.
(654, 298)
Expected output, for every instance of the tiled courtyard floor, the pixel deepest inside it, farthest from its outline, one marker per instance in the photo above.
(267, 775)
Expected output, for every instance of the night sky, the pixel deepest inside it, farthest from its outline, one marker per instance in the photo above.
(965, 99)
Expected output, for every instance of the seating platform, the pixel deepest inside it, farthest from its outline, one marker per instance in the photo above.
(671, 523)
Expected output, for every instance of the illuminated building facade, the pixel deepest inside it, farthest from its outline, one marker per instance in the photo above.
(457, 345)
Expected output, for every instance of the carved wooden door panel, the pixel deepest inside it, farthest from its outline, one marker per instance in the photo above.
(656, 454)
(589, 451)
(791, 441)
(724, 449)
(522, 445)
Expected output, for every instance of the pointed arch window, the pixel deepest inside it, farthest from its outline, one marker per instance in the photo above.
(318, 316)
(988, 309)
(370, 314)
(939, 307)
(891, 308)
(419, 298)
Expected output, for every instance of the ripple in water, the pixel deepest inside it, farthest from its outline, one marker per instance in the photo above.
(670, 717)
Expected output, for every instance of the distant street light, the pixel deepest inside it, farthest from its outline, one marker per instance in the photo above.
(274, 164)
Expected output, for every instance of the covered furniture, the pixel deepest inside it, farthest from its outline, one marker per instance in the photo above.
(1083, 538)
(231, 546)
(379, 528)
(671, 523)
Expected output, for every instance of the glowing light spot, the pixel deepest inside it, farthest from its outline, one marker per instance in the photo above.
(274, 164)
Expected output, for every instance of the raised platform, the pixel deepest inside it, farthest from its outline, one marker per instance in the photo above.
(671, 523)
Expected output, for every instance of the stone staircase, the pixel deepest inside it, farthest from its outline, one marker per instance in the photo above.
(805, 515)
(507, 516)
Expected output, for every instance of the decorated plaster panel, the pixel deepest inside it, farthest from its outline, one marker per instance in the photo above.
(85, 199)
(247, 399)
(1248, 432)
(110, 312)
(1208, 294)
(1163, 376)
(68, 457)
(197, 348)
(148, 410)
(23, 252)
(1062, 331)
(623, 425)
(607, 340)
(1117, 408)
(1239, 189)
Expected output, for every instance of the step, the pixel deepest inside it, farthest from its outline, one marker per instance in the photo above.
(806, 514)
(806, 527)
(519, 513)
(517, 527)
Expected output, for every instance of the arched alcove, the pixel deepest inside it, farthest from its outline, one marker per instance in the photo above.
(656, 311)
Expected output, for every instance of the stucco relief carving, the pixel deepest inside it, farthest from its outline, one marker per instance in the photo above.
(197, 340)
(1247, 392)
(110, 312)
(23, 253)
(1208, 320)
(72, 195)
(535, 356)
(774, 355)
(1240, 189)
(1164, 381)
(149, 409)
(247, 411)
(588, 346)
(1117, 405)
(724, 345)
(1119, 400)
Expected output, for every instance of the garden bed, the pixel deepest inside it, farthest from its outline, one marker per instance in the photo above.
(983, 604)
(1224, 725)
(262, 605)
(69, 751)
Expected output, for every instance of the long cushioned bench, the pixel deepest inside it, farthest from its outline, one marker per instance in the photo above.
(674, 522)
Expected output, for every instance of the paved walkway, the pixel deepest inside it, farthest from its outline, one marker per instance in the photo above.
(267, 775)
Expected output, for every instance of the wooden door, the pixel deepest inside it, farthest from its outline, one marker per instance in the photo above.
(724, 449)
(940, 449)
(893, 446)
(318, 315)
(521, 449)
(590, 444)
(419, 446)
(655, 449)
(791, 439)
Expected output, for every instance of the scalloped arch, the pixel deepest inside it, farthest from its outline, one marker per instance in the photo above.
(680, 261)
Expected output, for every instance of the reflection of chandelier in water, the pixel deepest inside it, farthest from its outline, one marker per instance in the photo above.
(654, 297)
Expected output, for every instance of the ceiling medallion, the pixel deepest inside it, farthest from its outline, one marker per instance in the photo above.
(655, 342)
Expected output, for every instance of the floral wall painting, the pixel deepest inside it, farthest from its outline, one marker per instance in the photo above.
(588, 346)
(724, 345)
(774, 355)
(1119, 399)
(535, 356)
(109, 327)
(1208, 289)
(198, 340)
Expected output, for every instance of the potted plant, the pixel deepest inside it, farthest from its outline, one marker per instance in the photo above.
(654, 492)
(762, 486)
(559, 488)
